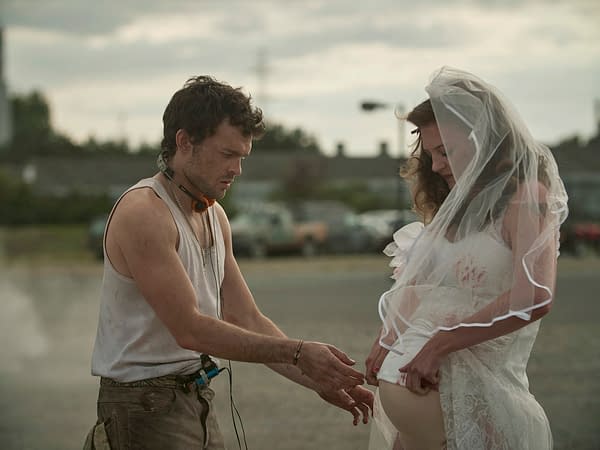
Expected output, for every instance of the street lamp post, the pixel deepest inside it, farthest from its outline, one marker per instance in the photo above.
(400, 110)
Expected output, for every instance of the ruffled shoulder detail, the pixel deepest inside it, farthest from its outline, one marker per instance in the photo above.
(399, 247)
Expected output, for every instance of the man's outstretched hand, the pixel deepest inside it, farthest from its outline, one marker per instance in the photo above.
(357, 400)
(328, 367)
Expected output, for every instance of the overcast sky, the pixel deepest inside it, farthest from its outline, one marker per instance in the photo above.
(108, 68)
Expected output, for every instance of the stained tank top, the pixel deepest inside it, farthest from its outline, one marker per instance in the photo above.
(131, 341)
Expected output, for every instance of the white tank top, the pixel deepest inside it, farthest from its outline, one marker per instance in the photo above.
(131, 342)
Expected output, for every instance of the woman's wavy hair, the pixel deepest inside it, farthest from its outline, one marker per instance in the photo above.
(202, 105)
(428, 188)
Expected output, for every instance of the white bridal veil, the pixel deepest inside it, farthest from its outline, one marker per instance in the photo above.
(506, 184)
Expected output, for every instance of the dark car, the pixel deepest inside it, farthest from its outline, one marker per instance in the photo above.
(580, 238)
(385, 222)
(346, 232)
(270, 228)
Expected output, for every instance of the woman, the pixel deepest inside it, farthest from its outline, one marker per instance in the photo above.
(470, 285)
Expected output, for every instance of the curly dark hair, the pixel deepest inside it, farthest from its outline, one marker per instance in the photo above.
(202, 105)
(428, 188)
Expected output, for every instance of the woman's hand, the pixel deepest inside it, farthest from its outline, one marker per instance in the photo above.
(374, 361)
(423, 371)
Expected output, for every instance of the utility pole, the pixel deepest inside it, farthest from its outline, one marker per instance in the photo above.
(399, 110)
(262, 71)
(5, 110)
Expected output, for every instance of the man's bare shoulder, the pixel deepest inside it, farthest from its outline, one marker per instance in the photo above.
(140, 203)
(142, 211)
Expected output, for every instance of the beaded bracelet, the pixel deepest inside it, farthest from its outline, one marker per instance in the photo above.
(297, 353)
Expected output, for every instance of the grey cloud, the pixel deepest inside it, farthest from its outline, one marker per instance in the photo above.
(102, 17)
(83, 18)
(75, 61)
(93, 18)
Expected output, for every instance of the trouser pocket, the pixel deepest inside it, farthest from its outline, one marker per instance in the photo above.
(97, 438)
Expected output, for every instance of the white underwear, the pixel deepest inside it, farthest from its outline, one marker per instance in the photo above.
(401, 354)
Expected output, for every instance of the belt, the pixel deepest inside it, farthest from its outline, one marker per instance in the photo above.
(183, 382)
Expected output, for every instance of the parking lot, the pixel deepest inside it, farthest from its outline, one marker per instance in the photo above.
(47, 396)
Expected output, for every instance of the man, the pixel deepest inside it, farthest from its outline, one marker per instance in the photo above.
(173, 293)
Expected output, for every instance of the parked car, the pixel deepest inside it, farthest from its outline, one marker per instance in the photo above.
(346, 233)
(385, 222)
(580, 238)
(267, 229)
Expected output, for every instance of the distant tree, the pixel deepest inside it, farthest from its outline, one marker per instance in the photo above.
(147, 149)
(574, 154)
(107, 147)
(31, 115)
(20, 205)
(14, 194)
(32, 129)
(279, 138)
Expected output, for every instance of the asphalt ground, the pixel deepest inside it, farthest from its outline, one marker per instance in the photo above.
(48, 324)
